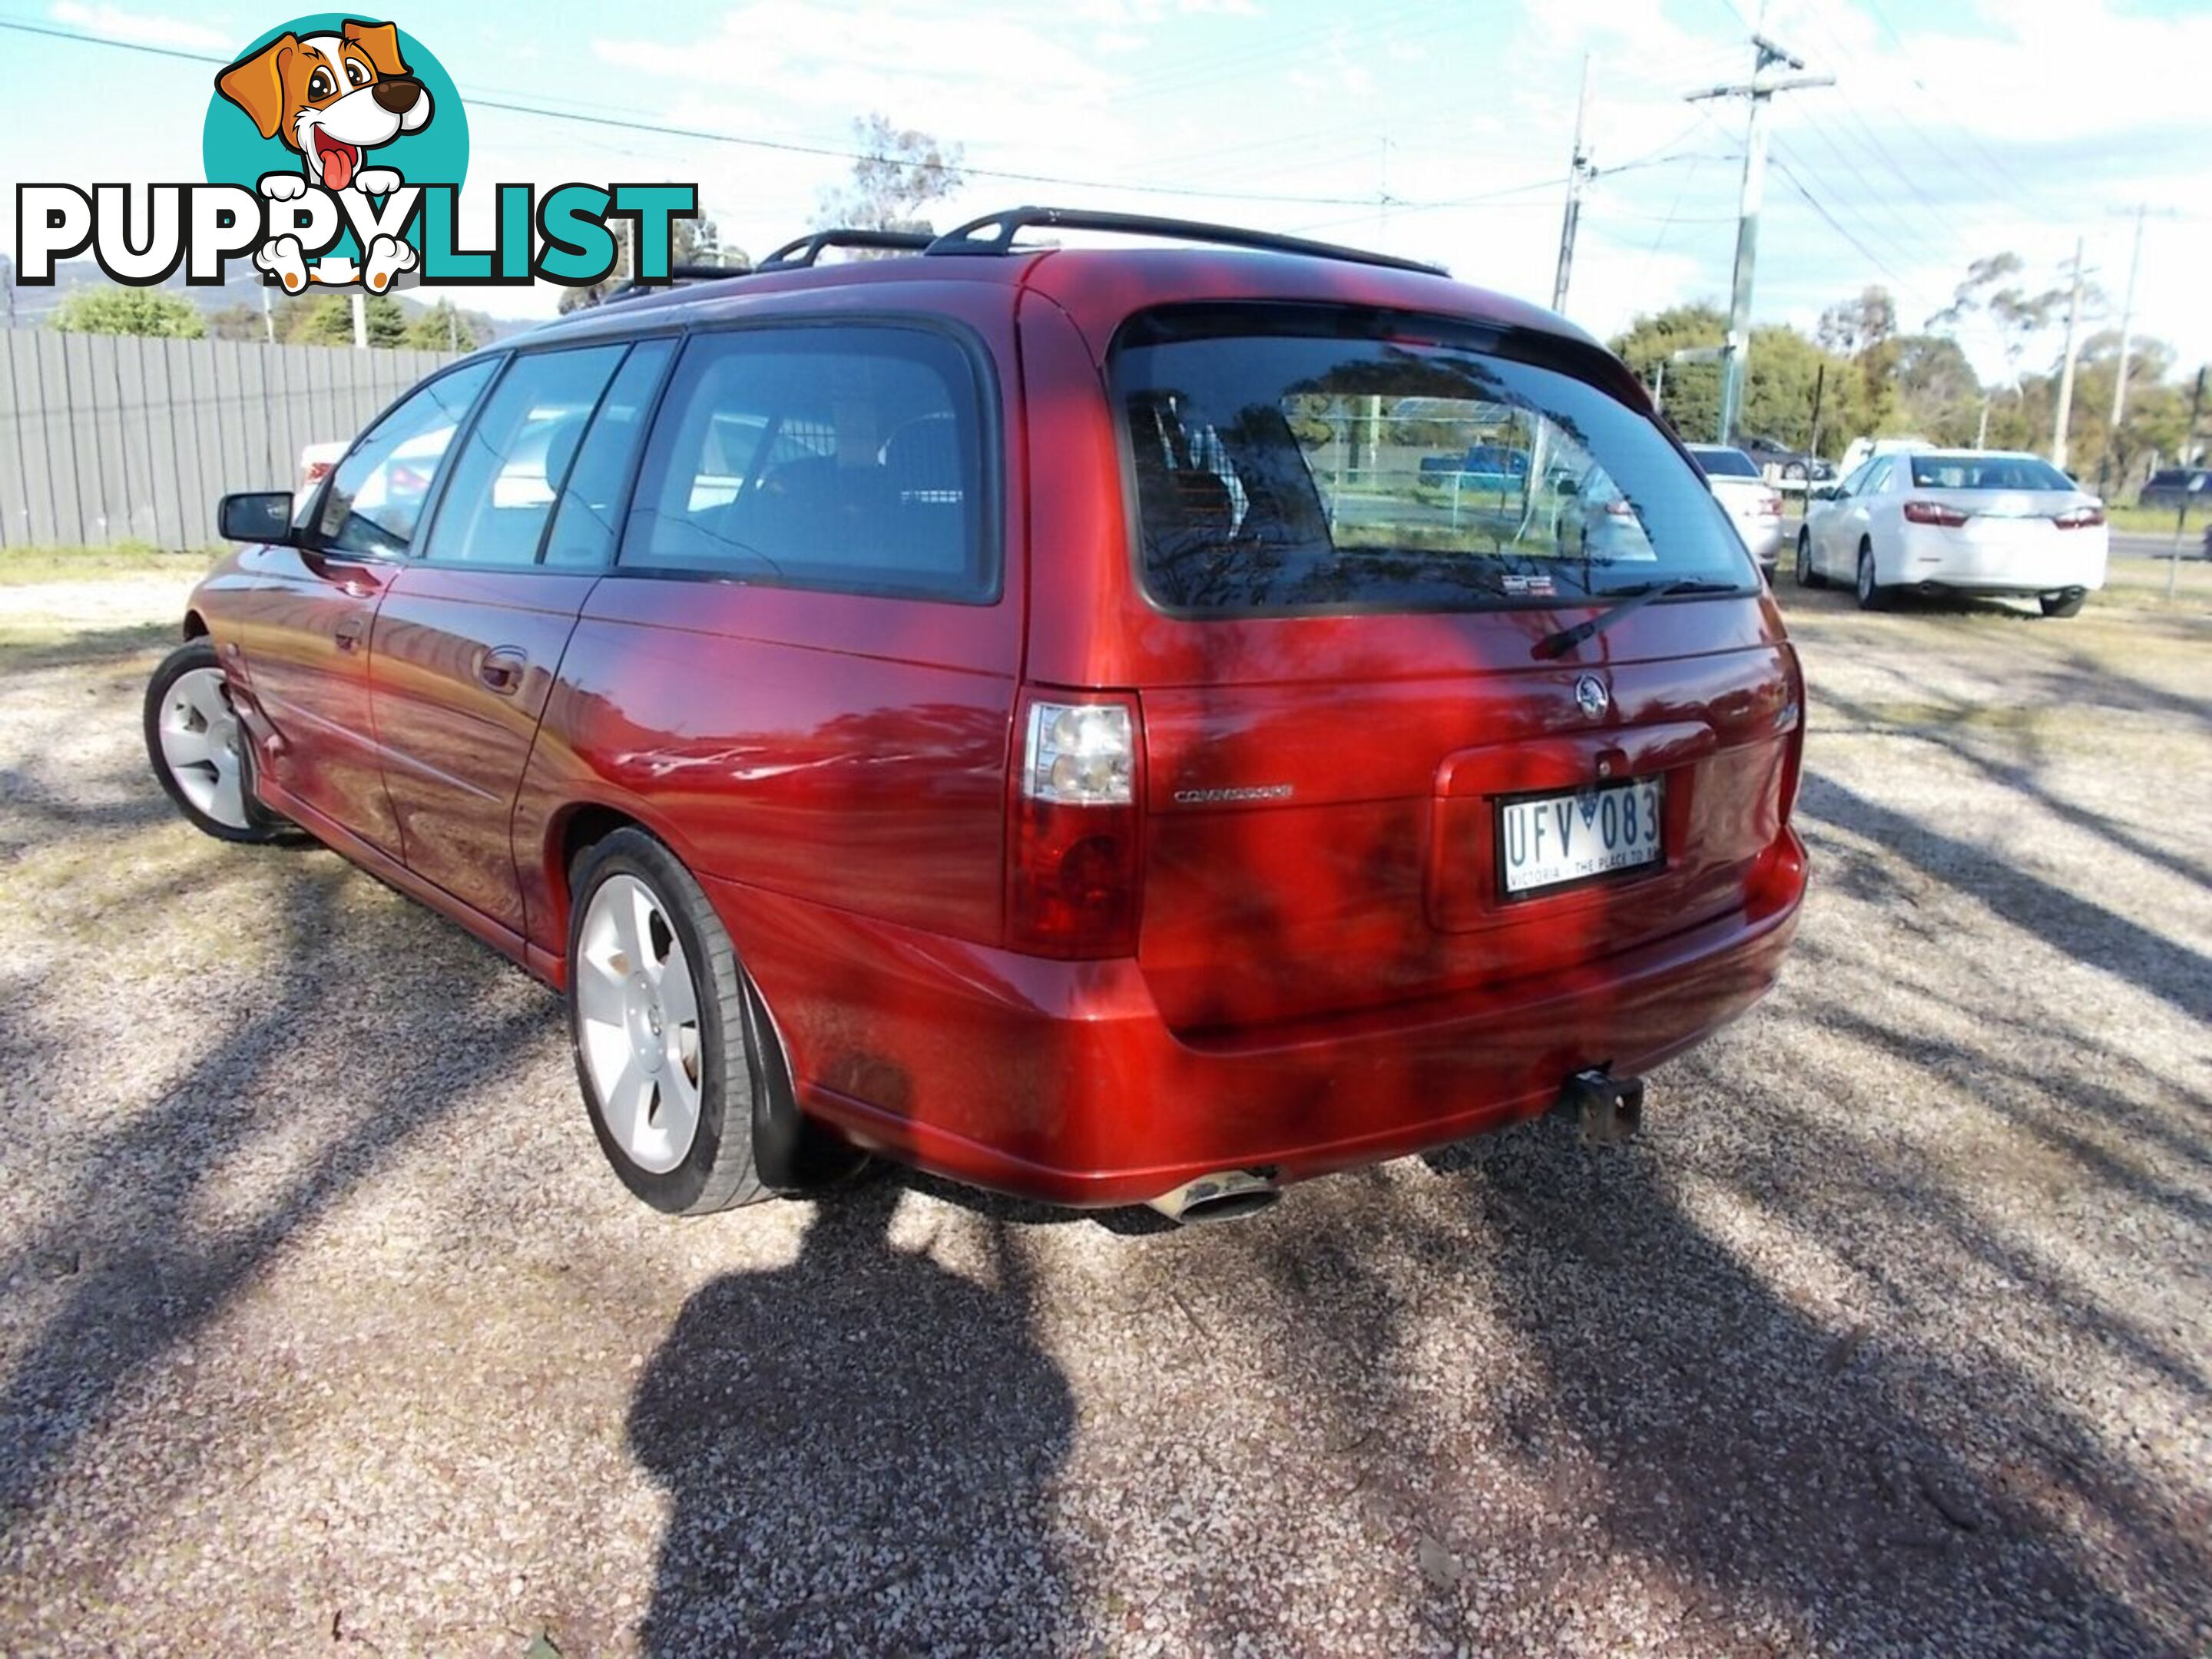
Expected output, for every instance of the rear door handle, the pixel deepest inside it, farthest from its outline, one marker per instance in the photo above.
(502, 670)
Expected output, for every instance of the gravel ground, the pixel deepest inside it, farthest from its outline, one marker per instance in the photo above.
(323, 1327)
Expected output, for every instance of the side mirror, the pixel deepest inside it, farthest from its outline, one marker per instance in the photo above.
(1570, 486)
(263, 516)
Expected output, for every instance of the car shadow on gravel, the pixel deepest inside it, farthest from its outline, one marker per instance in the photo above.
(90, 647)
(134, 1266)
(1873, 1495)
(2086, 931)
(860, 1450)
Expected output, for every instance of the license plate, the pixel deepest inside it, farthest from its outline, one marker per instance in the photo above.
(1548, 841)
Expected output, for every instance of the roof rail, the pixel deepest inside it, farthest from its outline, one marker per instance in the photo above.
(964, 239)
(804, 250)
(678, 273)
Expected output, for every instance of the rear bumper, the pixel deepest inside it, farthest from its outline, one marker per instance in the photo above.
(1936, 558)
(1061, 1081)
(1763, 536)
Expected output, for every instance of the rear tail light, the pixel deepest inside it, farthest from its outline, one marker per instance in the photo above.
(1935, 512)
(1073, 873)
(317, 471)
(1770, 507)
(2080, 518)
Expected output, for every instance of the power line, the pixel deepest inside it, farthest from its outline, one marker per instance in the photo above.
(704, 136)
(2024, 198)
(1910, 289)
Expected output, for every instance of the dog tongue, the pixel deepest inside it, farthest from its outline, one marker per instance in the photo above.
(338, 167)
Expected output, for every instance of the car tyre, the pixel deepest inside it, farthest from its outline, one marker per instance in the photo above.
(2064, 604)
(198, 750)
(683, 1074)
(1807, 576)
(1867, 586)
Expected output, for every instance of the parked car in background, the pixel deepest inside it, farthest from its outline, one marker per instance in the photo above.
(1753, 505)
(1487, 461)
(1027, 771)
(2173, 487)
(1860, 450)
(315, 462)
(1961, 522)
(1780, 464)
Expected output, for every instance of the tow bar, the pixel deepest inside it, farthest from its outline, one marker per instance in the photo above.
(1609, 1109)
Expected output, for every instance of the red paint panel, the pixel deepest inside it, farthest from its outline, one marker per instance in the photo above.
(463, 663)
(844, 750)
(1061, 1081)
(302, 624)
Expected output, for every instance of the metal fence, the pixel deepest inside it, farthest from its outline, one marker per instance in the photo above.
(109, 437)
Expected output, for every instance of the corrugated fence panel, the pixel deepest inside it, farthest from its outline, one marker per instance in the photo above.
(111, 438)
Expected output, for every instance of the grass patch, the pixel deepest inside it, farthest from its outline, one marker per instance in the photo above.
(28, 567)
(2155, 521)
(2139, 584)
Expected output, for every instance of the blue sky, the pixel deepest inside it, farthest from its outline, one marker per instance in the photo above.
(1958, 128)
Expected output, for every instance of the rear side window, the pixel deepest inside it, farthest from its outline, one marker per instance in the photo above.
(585, 527)
(1277, 454)
(376, 494)
(847, 457)
(516, 457)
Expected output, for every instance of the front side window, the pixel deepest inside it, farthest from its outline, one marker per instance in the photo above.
(516, 457)
(847, 457)
(1283, 459)
(376, 495)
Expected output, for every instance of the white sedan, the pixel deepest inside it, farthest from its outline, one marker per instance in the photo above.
(1960, 521)
(1753, 507)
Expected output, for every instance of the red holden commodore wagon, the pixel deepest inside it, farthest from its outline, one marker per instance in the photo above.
(1068, 718)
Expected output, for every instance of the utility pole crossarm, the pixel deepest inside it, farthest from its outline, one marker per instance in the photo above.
(1760, 89)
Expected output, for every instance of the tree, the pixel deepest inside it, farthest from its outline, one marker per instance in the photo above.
(694, 242)
(2015, 316)
(328, 320)
(1692, 395)
(1938, 393)
(441, 328)
(129, 311)
(236, 322)
(900, 173)
(1850, 327)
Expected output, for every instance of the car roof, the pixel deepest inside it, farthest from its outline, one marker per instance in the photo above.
(1090, 281)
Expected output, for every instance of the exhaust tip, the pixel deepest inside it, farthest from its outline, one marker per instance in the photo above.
(1226, 1195)
(1609, 1109)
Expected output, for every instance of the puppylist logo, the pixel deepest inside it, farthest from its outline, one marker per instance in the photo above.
(334, 149)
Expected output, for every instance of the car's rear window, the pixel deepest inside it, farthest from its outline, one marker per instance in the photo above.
(1278, 456)
(1986, 473)
(1724, 463)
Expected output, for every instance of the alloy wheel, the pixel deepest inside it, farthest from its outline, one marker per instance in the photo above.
(638, 1026)
(199, 740)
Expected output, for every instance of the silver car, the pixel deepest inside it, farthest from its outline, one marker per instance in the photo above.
(1754, 506)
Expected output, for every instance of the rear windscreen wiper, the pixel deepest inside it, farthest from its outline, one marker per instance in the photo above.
(1635, 598)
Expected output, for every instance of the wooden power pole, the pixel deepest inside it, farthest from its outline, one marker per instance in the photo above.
(1760, 90)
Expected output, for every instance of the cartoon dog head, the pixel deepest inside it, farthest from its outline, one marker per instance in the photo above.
(330, 97)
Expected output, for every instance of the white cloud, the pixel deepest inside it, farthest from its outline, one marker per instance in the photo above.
(113, 23)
